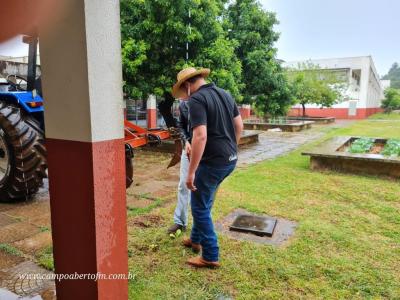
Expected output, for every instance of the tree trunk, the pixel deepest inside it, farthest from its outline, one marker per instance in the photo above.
(165, 107)
(304, 109)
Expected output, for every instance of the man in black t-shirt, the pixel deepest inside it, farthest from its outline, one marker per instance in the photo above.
(216, 129)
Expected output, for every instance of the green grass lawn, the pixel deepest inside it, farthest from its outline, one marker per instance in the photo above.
(347, 244)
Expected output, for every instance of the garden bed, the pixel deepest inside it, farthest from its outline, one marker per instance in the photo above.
(283, 124)
(318, 120)
(371, 156)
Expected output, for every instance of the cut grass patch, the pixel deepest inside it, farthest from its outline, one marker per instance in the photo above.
(135, 211)
(11, 250)
(45, 258)
(347, 245)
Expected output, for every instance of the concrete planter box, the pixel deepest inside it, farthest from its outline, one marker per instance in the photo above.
(249, 137)
(330, 156)
(288, 126)
(318, 120)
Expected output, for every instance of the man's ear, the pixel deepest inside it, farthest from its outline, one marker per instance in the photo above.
(187, 88)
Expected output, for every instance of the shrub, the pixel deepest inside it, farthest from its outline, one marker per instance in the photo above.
(392, 100)
(361, 145)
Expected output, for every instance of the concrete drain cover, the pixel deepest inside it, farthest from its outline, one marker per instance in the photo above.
(262, 226)
(16, 279)
(278, 236)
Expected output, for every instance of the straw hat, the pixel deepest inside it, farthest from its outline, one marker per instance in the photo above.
(184, 75)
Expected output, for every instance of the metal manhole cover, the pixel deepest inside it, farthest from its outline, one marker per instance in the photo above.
(263, 226)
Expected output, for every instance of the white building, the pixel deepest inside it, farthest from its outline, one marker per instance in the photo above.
(365, 90)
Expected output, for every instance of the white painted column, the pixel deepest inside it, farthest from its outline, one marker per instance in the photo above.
(151, 112)
(82, 86)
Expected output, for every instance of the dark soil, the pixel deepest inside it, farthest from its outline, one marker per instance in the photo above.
(377, 148)
(146, 221)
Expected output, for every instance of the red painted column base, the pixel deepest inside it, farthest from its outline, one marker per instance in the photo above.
(88, 216)
(151, 118)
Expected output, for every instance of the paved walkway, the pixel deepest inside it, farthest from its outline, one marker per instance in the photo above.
(275, 144)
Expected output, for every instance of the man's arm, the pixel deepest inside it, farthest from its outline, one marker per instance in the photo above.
(182, 123)
(238, 124)
(199, 141)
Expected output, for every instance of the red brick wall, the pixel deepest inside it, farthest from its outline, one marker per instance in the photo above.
(338, 113)
(245, 112)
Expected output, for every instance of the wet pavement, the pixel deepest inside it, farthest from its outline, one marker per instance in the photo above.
(25, 228)
(275, 144)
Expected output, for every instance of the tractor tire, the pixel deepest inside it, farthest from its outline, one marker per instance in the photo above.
(22, 154)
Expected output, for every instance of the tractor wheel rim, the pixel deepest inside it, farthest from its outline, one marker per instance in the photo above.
(4, 158)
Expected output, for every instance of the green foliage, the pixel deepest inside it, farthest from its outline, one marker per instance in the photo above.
(154, 36)
(44, 228)
(236, 42)
(133, 56)
(392, 148)
(222, 53)
(394, 76)
(361, 145)
(45, 258)
(312, 85)
(9, 249)
(265, 82)
(392, 100)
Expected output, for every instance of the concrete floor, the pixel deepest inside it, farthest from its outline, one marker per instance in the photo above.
(25, 226)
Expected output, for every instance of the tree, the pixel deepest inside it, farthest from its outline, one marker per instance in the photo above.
(266, 85)
(154, 36)
(312, 85)
(392, 100)
(394, 76)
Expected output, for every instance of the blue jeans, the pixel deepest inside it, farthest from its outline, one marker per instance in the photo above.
(207, 180)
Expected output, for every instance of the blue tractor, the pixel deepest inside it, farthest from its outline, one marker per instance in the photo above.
(23, 163)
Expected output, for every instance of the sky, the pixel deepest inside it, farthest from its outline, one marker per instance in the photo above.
(14, 47)
(313, 29)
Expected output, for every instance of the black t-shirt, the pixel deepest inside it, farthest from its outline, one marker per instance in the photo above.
(215, 108)
(183, 122)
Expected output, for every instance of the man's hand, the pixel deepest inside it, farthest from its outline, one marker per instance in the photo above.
(190, 182)
(188, 149)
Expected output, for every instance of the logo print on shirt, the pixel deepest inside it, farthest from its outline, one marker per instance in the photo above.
(233, 157)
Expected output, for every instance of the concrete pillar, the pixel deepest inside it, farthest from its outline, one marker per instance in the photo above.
(125, 108)
(245, 111)
(82, 84)
(151, 112)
